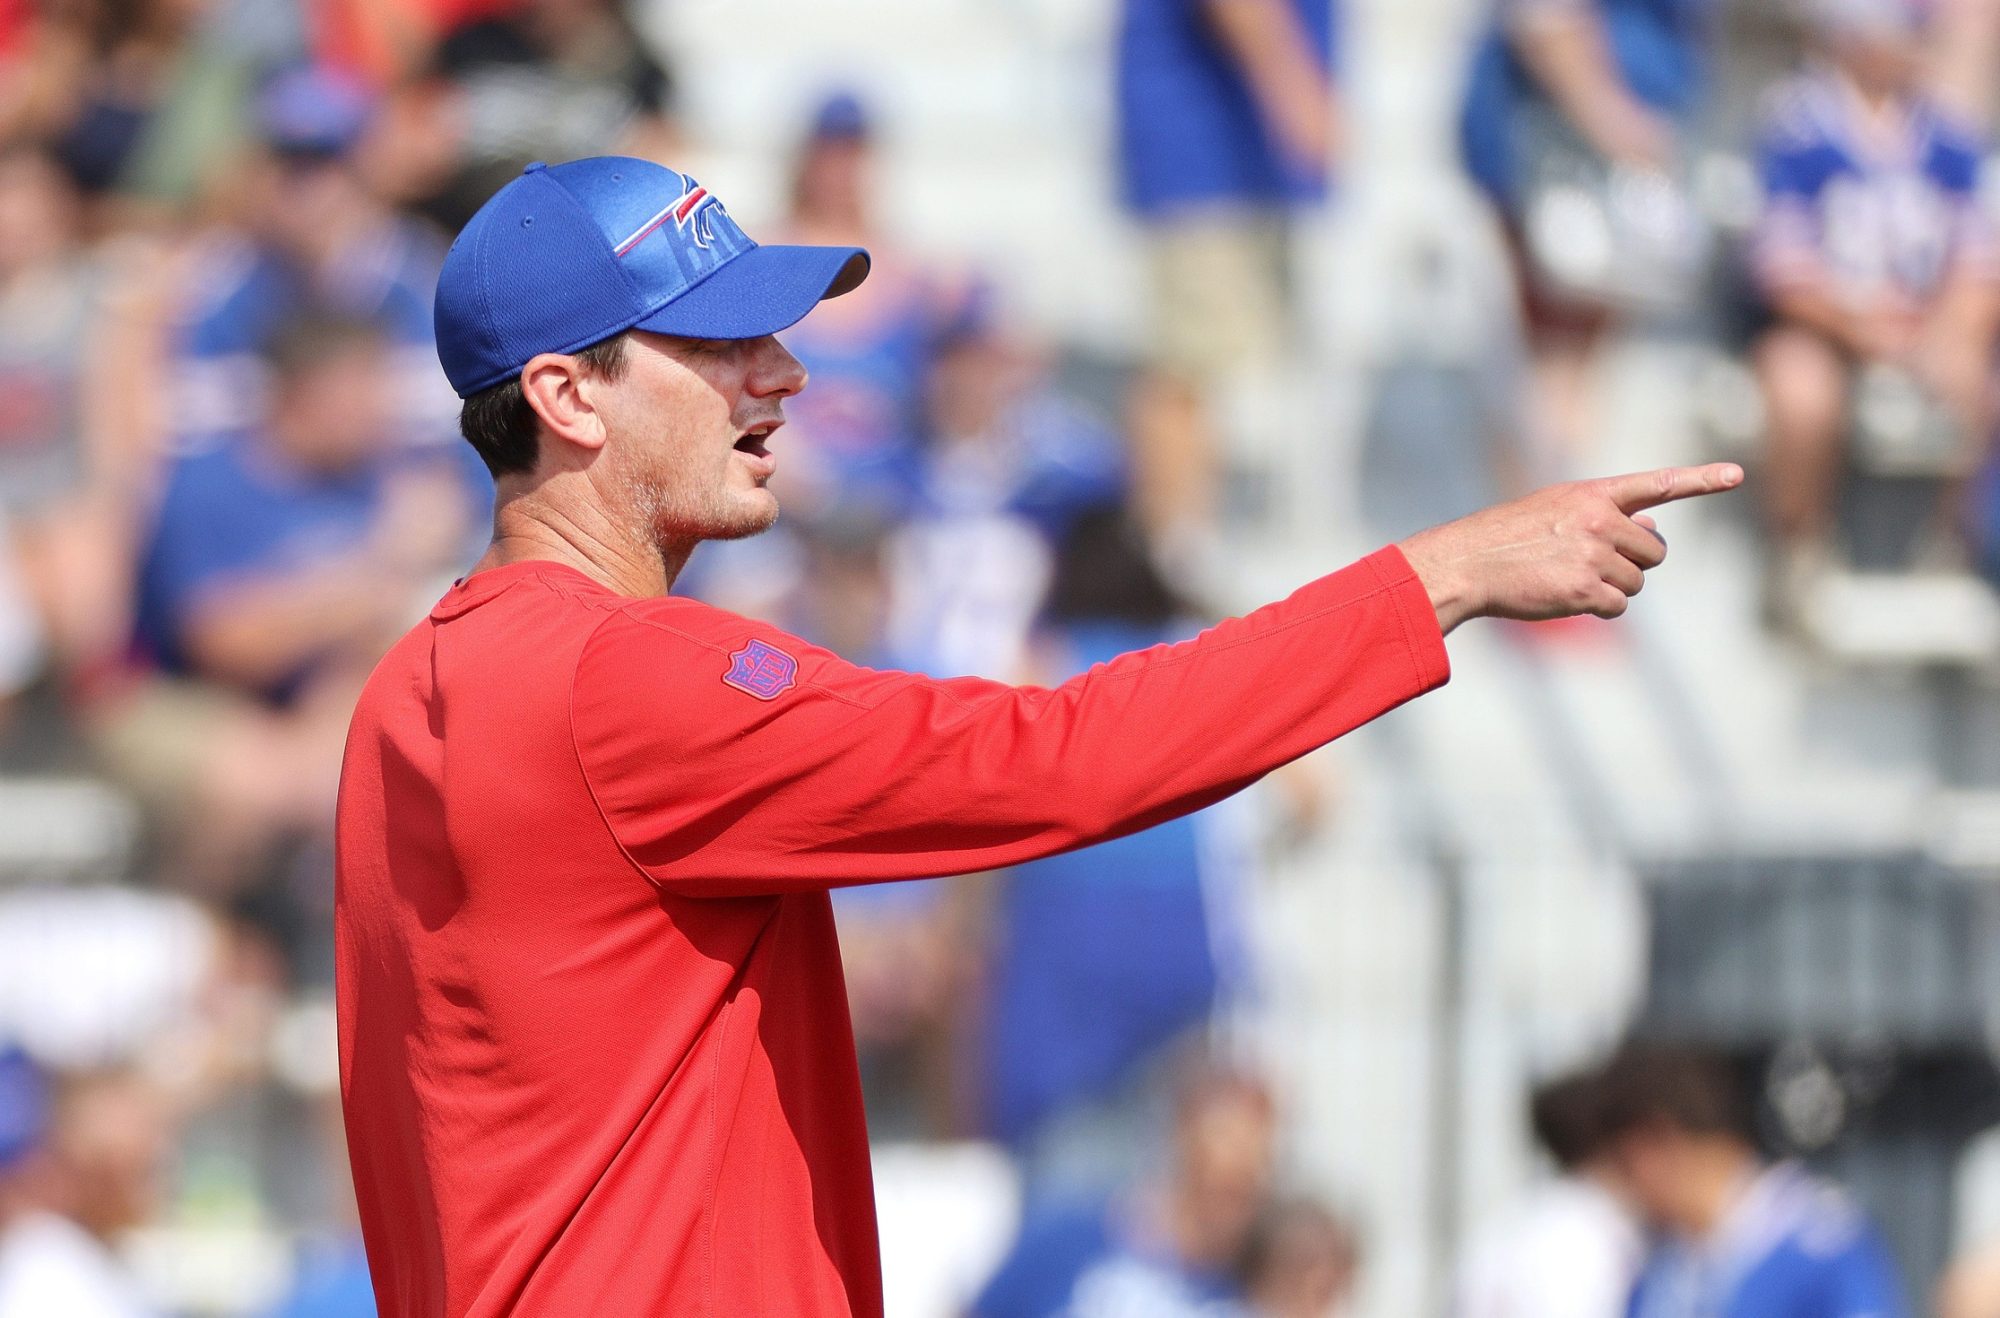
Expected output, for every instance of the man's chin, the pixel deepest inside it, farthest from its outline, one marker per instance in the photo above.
(749, 521)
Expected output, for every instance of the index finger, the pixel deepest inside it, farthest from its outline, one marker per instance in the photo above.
(1648, 489)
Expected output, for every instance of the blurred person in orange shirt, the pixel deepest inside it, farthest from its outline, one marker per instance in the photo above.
(91, 1172)
(281, 563)
(386, 42)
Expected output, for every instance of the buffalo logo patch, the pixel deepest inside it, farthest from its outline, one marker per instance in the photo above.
(763, 671)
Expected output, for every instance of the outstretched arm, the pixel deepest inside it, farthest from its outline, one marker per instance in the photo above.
(729, 759)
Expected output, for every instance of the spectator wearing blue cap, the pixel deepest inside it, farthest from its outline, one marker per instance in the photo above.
(1227, 123)
(859, 432)
(313, 232)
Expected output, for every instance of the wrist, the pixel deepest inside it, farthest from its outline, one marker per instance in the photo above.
(1454, 596)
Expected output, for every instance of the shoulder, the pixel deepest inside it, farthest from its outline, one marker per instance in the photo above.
(1818, 1229)
(675, 625)
(1953, 151)
(696, 647)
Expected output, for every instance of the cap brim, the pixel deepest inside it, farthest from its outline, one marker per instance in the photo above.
(764, 290)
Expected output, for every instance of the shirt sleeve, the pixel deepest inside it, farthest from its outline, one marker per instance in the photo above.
(729, 759)
(1956, 167)
(1786, 245)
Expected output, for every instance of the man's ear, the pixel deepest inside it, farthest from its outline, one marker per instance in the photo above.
(553, 384)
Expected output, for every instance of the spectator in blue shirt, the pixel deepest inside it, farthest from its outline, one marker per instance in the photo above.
(1874, 250)
(281, 563)
(1736, 1238)
(1227, 123)
(1104, 957)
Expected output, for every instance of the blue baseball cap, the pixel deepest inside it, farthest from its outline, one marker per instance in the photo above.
(568, 255)
(308, 110)
(841, 117)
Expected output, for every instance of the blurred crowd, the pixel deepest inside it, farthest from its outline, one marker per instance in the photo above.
(230, 476)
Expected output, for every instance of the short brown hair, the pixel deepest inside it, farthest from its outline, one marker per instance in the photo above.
(1568, 1116)
(504, 430)
(1694, 1089)
(315, 334)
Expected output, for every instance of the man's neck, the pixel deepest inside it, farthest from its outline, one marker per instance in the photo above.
(527, 528)
(1721, 1176)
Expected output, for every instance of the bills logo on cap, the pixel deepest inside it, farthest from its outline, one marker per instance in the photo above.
(761, 670)
(693, 213)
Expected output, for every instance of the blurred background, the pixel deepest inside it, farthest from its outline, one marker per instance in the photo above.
(1651, 965)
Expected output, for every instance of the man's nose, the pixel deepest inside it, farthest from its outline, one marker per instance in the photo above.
(775, 373)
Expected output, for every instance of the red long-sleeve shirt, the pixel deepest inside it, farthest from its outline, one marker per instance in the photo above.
(595, 1051)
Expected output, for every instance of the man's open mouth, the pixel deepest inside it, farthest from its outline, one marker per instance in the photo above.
(753, 442)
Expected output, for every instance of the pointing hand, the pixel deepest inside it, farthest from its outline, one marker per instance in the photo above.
(1580, 547)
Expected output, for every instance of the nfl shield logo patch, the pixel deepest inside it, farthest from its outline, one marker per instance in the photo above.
(763, 671)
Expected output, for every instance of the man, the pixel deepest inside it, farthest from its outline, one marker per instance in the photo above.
(594, 1046)
(1738, 1239)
